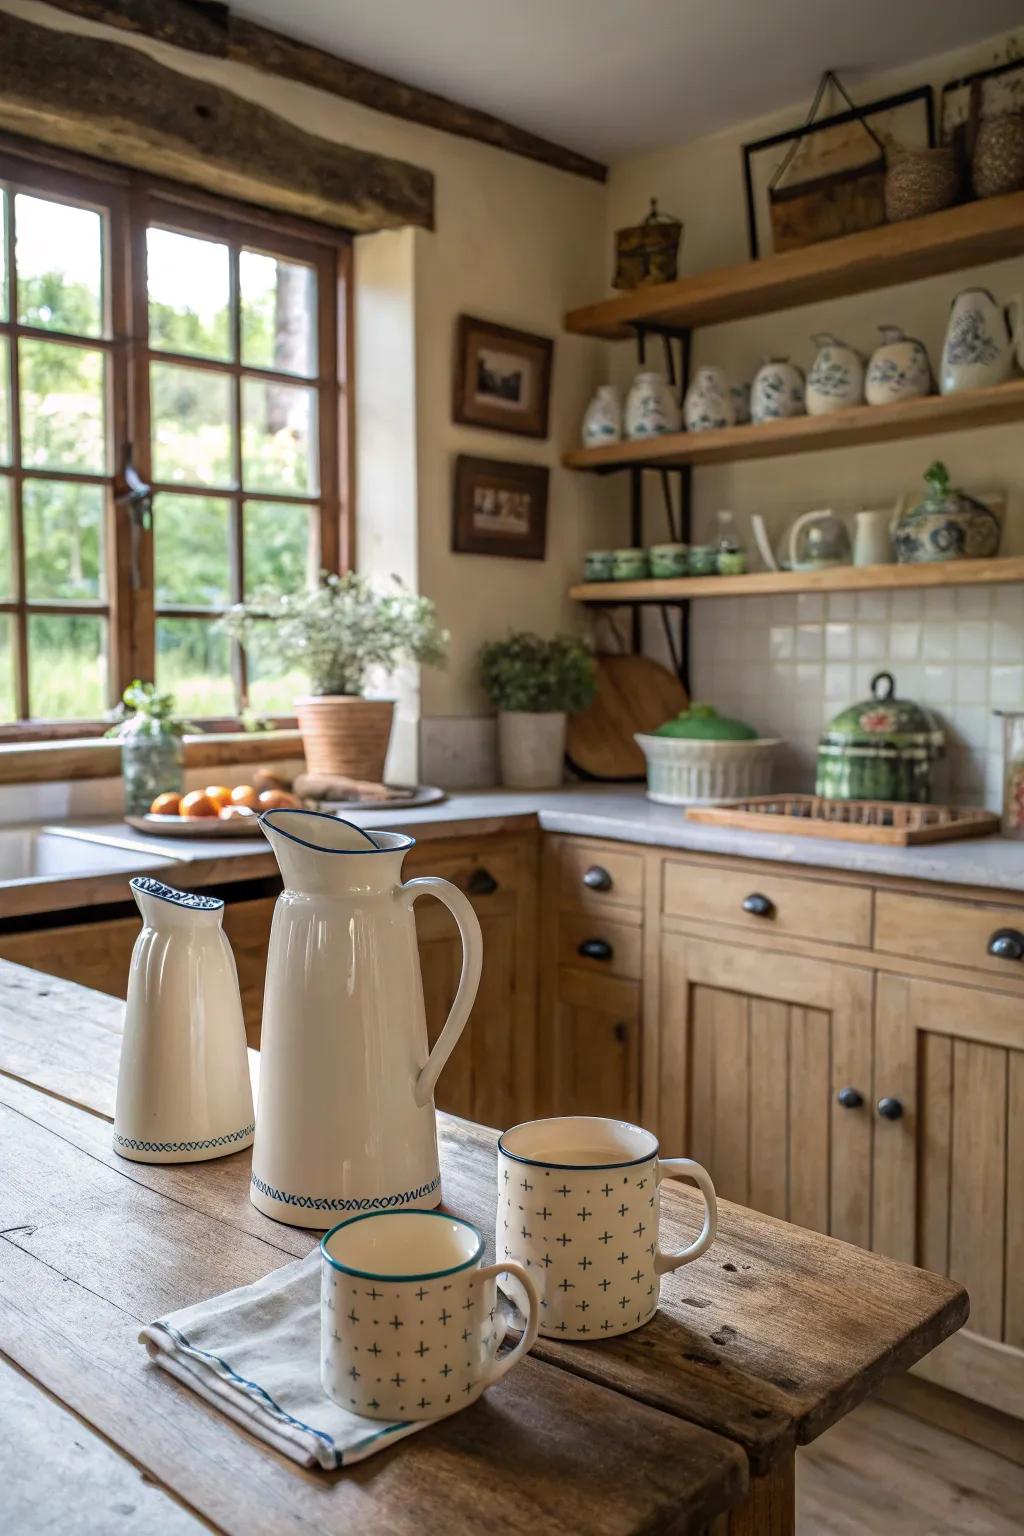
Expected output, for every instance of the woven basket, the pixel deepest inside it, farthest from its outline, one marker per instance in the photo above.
(344, 735)
(920, 181)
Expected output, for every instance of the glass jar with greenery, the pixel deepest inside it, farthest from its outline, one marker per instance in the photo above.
(152, 749)
(534, 684)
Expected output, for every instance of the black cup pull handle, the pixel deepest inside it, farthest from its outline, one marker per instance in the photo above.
(597, 878)
(1006, 944)
(758, 905)
(890, 1109)
(850, 1098)
(481, 883)
(595, 949)
(621, 1033)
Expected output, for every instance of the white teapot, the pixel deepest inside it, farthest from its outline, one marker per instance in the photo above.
(836, 379)
(980, 341)
(651, 407)
(899, 369)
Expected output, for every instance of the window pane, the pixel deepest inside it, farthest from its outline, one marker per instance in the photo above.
(192, 662)
(281, 547)
(278, 314)
(6, 574)
(58, 256)
(188, 294)
(7, 706)
(63, 525)
(67, 666)
(191, 551)
(62, 406)
(278, 437)
(191, 411)
(272, 691)
(5, 405)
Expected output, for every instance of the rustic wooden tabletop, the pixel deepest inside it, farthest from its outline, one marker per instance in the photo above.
(688, 1424)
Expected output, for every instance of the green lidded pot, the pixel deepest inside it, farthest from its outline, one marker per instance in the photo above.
(880, 749)
(702, 722)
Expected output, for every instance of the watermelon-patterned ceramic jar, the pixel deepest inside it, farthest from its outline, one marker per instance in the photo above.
(881, 749)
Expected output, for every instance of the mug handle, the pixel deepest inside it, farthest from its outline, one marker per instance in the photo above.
(461, 909)
(505, 1363)
(685, 1167)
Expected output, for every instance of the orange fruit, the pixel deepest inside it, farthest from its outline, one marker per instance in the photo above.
(245, 795)
(220, 794)
(166, 805)
(278, 800)
(198, 803)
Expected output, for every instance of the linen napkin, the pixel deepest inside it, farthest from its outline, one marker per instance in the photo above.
(254, 1353)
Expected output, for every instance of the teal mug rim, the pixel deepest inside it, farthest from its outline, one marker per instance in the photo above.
(432, 1274)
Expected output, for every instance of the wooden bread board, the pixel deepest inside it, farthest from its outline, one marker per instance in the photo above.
(634, 693)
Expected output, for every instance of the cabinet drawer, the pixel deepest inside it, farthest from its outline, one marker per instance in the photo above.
(952, 932)
(595, 877)
(479, 872)
(809, 909)
(623, 945)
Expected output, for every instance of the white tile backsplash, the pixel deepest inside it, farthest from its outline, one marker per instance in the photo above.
(797, 661)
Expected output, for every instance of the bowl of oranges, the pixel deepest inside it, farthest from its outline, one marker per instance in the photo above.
(218, 810)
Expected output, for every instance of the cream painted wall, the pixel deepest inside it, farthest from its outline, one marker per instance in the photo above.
(515, 242)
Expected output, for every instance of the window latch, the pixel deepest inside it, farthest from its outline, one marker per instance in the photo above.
(138, 498)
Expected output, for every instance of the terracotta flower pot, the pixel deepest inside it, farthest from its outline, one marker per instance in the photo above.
(344, 735)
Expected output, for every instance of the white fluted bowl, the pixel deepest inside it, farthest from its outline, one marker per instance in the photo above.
(685, 772)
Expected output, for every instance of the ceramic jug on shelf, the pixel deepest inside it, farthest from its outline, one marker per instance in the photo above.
(873, 535)
(777, 391)
(602, 420)
(836, 379)
(980, 341)
(651, 407)
(709, 404)
(899, 369)
(183, 1090)
(346, 1109)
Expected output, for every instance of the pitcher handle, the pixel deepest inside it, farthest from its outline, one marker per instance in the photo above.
(461, 909)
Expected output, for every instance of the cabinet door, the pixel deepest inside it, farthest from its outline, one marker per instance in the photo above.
(755, 1048)
(594, 1045)
(949, 1171)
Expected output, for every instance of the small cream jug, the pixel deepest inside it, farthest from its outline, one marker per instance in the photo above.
(183, 1091)
(346, 1109)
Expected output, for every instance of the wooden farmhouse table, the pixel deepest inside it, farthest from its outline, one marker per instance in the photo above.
(689, 1424)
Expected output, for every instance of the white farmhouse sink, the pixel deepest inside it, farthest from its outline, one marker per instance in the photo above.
(31, 853)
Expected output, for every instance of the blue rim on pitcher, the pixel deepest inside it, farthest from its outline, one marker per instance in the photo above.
(431, 1274)
(549, 1162)
(406, 842)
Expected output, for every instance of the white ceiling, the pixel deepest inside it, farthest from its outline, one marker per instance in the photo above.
(611, 78)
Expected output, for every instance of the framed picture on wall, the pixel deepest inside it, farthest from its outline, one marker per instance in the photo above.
(502, 378)
(500, 508)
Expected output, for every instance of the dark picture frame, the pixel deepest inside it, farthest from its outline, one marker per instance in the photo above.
(500, 508)
(502, 378)
(920, 95)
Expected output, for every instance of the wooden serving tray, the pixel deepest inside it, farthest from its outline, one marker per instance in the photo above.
(854, 821)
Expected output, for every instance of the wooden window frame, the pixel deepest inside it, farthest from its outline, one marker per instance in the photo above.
(130, 201)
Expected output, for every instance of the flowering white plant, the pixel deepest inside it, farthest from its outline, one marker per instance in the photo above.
(339, 631)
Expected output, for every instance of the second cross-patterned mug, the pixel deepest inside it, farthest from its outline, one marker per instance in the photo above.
(578, 1206)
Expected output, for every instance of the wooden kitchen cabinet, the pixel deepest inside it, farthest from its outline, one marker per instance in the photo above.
(949, 1168)
(594, 1045)
(755, 1048)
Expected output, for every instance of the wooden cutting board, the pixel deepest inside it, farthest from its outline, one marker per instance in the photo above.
(634, 693)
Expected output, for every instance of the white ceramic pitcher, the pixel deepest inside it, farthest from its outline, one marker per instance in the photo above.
(345, 1121)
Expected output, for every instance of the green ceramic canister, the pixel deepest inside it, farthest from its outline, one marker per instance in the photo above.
(880, 749)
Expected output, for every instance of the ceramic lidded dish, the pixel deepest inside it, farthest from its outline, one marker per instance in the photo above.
(947, 525)
(701, 756)
(880, 749)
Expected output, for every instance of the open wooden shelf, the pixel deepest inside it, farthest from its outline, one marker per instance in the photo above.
(836, 578)
(807, 434)
(988, 230)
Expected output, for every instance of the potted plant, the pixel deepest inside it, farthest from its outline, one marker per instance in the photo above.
(534, 684)
(336, 633)
(152, 751)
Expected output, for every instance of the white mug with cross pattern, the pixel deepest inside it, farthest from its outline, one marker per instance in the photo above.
(578, 1208)
(410, 1322)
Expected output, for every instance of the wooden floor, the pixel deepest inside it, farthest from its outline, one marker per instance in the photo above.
(882, 1473)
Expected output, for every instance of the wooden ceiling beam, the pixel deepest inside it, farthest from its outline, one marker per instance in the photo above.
(211, 29)
(113, 101)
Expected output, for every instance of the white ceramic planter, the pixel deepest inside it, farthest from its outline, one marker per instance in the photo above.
(531, 748)
(681, 772)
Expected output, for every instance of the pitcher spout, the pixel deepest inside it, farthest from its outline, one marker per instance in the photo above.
(309, 845)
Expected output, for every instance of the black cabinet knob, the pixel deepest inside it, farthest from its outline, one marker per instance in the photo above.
(850, 1098)
(890, 1109)
(595, 949)
(621, 1033)
(1007, 944)
(596, 878)
(481, 883)
(758, 905)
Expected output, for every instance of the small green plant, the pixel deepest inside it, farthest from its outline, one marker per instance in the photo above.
(338, 632)
(145, 712)
(526, 672)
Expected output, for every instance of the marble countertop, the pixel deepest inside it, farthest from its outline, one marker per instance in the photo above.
(622, 814)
